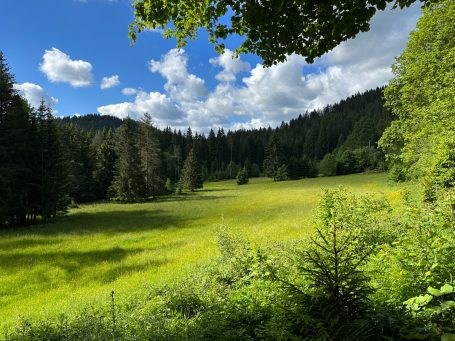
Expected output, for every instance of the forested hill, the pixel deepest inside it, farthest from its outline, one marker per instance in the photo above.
(344, 127)
(93, 121)
(354, 122)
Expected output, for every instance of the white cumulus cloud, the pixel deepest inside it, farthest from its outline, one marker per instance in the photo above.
(59, 67)
(231, 66)
(109, 82)
(129, 91)
(162, 109)
(34, 93)
(180, 84)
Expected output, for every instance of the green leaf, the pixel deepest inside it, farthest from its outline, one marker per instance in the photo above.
(434, 292)
(446, 289)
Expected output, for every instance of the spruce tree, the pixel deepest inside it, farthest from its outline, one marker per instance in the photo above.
(106, 157)
(151, 156)
(7, 91)
(282, 173)
(16, 168)
(242, 176)
(7, 94)
(191, 174)
(81, 155)
(274, 159)
(129, 181)
(32, 170)
(54, 176)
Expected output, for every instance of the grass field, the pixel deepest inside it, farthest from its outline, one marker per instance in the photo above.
(81, 257)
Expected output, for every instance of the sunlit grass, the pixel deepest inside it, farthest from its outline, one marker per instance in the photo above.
(79, 259)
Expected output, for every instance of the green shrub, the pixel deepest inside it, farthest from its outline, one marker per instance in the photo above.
(242, 177)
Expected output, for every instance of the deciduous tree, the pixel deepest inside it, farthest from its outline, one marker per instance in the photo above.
(272, 29)
(420, 143)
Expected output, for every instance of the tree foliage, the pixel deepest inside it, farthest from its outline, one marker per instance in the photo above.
(150, 155)
(129, 182)
(191, 173)
(271, 29)
(33, 169)
(421, 142)
(274, 160)
(242, 176)
(351, 124)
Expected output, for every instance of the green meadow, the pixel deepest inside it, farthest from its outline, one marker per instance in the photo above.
(78, 260)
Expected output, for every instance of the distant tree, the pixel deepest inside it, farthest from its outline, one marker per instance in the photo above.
(254, 171)
(188, 141)
(33, 178)
(296, 168)
(7, 91)
(232, 170)
(212, 152)
(328, 165)
(309, 167)
(222, 152)
(7, 94)
(176, 158)
(129, 181)
(106, 157)
(242, 176)
(274, 159)
(191, 173)
(80, 155)
(54, 165)
(17, 171)
(282, 173)
(347, 163)
(150, 155)
(169, 186)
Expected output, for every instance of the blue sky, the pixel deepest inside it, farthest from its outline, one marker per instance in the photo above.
(61, 50)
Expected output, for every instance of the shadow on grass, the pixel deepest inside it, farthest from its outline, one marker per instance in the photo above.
(24, 243)
(94, 265)
(82, 223)
(190, 197)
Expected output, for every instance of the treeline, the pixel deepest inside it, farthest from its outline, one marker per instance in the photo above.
(344, 135)
(32, 159)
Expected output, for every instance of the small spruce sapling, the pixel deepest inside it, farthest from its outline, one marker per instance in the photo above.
(242, 177)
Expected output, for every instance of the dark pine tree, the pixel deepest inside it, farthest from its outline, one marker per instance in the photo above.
(191, 173)
(151, 156)
(7, 93)
(128, 184)
(242, 176)
(81, 158)
(54, 165)
(274, 159)
(106, 157)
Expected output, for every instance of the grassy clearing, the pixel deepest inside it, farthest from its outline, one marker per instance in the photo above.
(96, 248)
